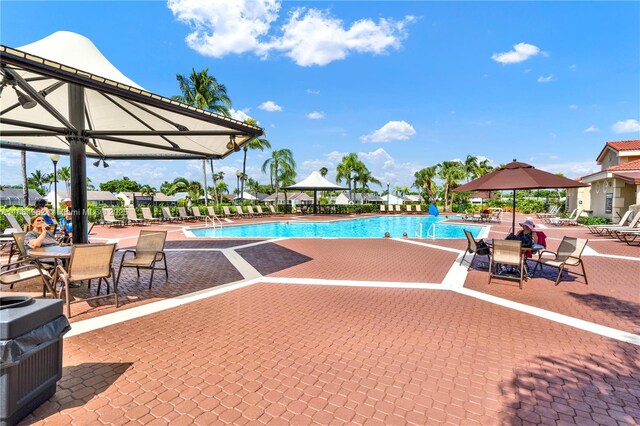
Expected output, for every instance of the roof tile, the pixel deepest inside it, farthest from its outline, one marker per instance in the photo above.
(625, 145)
(631, 165)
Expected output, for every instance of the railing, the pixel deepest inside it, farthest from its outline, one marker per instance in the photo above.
(419, 231)
(432, 235)
(213, 221)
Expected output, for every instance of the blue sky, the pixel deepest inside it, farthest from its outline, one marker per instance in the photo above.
(404, 84)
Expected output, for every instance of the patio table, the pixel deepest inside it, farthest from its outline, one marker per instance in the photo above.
(63, 253)
(523, 250)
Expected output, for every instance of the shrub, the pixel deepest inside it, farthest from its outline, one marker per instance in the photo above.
(593, 220)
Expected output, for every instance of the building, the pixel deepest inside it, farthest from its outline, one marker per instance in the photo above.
(343, 199)
(158, 198)
(251, 196)
(293, 198)
(13, 197)
(615, 187)
(93, 197)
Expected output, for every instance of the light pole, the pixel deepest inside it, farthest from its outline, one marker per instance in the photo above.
(238, 173)
(55, 158)
(388, 200)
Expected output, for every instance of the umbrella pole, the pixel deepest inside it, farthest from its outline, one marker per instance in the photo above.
(315, 201)
(513, 222)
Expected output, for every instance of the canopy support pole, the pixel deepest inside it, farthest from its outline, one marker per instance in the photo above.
(78, 163)
(315, 201)
(513, 221)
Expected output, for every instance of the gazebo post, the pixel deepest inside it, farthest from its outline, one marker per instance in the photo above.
(513, 220)
(78, 163)
(315, 201)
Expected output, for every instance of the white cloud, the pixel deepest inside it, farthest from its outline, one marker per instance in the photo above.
(521, 52)
(573, 106)
(571, 169)
(315, 115)
(392, 131)
(573, 67)
(626, 126)
(241, 114)
(309, 36)
(591, 129)
(546, 79)
(313, 92)
(270, 106)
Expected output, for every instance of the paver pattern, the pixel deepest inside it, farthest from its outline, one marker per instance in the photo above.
(278, 354)
(314, 354)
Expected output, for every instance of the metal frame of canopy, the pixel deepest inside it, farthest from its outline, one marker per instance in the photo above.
(77, 130)
(308, 184)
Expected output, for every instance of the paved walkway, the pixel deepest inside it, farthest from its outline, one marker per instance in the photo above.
(373, 331)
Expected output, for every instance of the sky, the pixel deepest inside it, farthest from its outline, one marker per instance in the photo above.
(405, 85)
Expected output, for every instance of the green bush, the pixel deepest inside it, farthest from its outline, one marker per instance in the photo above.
(593, 220)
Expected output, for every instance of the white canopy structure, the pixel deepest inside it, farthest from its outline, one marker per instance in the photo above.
(315, 182)
(61, 95)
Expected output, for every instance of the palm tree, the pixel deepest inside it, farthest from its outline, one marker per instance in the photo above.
(484, 168)
(451, 172)
(222, 188)
(323, 171)
(365, 177)
(147, 190)
(64, 174)
(37, 179)
(280, 164)
(192, 188)
(203, 91)
(471, 167)
(425, 182)
(257, 143)
(346, 168)
(25, 182)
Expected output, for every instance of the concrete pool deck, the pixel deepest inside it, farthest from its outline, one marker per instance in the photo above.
(379, 331)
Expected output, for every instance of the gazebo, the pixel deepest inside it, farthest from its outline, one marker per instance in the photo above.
(60, 95)
(315, 182)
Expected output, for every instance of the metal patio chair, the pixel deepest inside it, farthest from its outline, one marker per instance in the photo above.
(148, 252)
(569, 254)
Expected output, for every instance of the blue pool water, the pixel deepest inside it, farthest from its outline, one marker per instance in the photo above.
(373, 227)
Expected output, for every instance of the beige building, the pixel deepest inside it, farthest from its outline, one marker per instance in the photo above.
(615, 187)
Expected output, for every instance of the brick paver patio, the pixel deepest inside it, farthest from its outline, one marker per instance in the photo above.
(277, 351)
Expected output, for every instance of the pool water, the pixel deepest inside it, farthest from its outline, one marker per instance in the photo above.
(373, 227)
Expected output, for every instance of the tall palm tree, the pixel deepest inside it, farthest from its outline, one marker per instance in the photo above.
(346, 168)
(450, 172)
(365, 178)
(257, 143)
(25, 182)
(203, 91)
(37, 178)
(425, 182)
(280, 164)
(323, 171)
(470, 166)
(192, 188)
(147, 190)
(484, 168)
(64, 174)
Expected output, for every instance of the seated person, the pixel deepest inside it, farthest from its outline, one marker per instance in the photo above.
(41, 209)
(528, 236)
(39, 236)
(67, 228)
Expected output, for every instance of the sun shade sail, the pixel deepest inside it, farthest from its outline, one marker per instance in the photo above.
(122, 120)
(315, 181)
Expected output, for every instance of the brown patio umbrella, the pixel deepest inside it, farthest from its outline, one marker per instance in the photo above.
(514, 176)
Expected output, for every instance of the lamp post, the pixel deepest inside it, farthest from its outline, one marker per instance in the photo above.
(238, 173)
(388, 199)
(55, 158)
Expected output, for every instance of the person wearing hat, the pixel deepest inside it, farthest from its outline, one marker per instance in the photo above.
(527, 235)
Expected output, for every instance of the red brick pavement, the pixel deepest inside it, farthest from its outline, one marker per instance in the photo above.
(278, 354)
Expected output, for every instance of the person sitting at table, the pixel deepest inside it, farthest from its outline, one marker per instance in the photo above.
(67, 227)
(40, 236)
(528, 236)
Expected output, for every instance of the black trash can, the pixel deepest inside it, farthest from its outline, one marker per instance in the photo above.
(31, 333)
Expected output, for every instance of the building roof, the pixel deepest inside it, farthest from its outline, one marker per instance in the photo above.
(91, 195)
(298, 196)
(631, 165)
(160, 197)
(628, 176)
(8, 193)
(618, 146)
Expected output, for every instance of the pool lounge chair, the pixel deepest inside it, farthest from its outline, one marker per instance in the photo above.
(13, 222)
(261, 212)
(251, 212)
(182, 214)
(26, 217)
(382, 209)
(599, 229)
(109, 219)
(398, 208)
(418, 209)
(567, 221)
(241, 212)
(132, 216)
(274, 211)
(211, 212)
(631, 226)
(632, 238)
(408, 209)
(552, 219)
(551, 213)
(195, 211)
(569, 254)
(166, 215)
(147, 216)
(227, 213)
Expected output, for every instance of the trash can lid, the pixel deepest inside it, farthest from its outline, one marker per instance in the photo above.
(24, 317)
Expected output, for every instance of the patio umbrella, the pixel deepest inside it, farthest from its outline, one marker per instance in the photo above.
(315, 182)
(514, 176)
(60, 95)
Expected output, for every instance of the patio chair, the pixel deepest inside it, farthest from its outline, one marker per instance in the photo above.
(382, 209)
(613, 230)
(241, 213)
(149, 251)
(507, 252)
(109, 218)
(398, 209)
(569, 254)
(132, 216)
(166, 215)
(599, 229)
(274, 211)
(227, 213)
(88, 262)
(13, 222)
(261, 212)
(472, 247)
(408, 209)
(418, 209)
(496, 215)
(211, 212)
(195, 211)
(147, 216)
(567, 221)
(26, 270)
(182, 214)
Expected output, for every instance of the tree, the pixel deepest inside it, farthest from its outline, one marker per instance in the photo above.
(257, 143)
(147, 190)
(37, 179)
(484, 168)
(323, 171)
(281, 164)
(203, 91)
(450, 172)
(425, 182)
(120, 185)
(192, 188)
(222, 187)
(470, 167)
(346, 168)
(165, 188)
(365, 177)
(25, 182)
(64, 175)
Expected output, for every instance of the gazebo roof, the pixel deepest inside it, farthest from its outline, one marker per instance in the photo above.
(314, 181)
(122, 120)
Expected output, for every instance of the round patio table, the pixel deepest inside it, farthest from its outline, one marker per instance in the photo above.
(52, 252)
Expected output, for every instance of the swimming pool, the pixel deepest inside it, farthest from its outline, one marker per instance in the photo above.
(373, 227)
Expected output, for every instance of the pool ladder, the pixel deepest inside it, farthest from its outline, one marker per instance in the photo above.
(215, 222)
(429, 234)
(419, 231)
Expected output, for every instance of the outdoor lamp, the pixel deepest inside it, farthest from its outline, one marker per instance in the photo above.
(25, 100)
(55, 158)
(105, 164)
(96, 163)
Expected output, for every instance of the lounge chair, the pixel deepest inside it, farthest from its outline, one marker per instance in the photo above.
(149, 251)
(196, 213)
(631, 226)
(599, 229)
(552, 219)
(88, 262)
(108, 218)
(569, 254)
(408, 209)
(496, 215)
(132, 216)
(630, 237)
(182, 214)
(241, 213)
(148, 216)
(472, 247)
(398, 209)
(211, 212)
(227, 213)
(551, 213)
(261, 212)
(166, 215)
(382, 209)
(250, 211)
(13, 222)
(418, 209)
(507, 252)
(567, 221)
(274, 211)
(26, 217)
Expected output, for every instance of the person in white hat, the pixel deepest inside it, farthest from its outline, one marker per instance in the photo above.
(527, 235)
